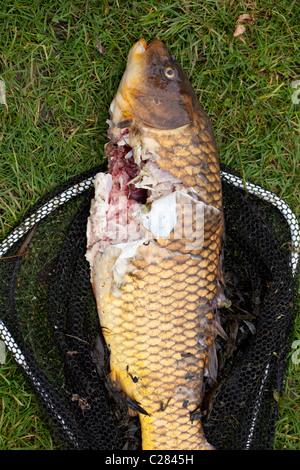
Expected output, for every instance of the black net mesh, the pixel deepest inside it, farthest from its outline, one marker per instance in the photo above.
(48, 319)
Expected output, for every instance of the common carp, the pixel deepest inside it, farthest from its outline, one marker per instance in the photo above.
(154, 239)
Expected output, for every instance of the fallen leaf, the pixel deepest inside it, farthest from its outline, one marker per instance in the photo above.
(250, 326)
(278, 400)
(100, 48)
(246, 18)
(239, 29)
(82, 402)
(2, 352)
(2, 94)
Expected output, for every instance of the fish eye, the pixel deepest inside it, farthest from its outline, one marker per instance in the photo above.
(169, 72)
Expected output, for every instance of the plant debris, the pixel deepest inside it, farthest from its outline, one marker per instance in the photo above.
(101, 48)
(3, 94)
(240, 27)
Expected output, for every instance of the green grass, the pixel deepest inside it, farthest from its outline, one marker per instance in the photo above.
(288, 425)
(21, 424)
(58, 90)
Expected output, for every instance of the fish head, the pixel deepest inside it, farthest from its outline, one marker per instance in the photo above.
(154, 91)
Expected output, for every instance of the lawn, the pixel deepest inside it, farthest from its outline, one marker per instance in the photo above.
(61, 63)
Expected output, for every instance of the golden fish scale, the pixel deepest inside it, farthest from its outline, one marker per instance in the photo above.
(159, 322)
(194, 160)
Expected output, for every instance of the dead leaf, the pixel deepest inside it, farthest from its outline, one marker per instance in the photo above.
(278, 400)
(82, 402)
(100, 48)
(2, 94)
(246, 18)
(239, 29)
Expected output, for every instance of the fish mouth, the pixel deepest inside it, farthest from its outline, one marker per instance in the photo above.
(121, 104)
(148, 94)
(140, 45)
(128, 93)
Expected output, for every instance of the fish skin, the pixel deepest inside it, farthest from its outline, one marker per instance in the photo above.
(160, 317)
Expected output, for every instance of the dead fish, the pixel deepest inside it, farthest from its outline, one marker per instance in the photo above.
(154, 239)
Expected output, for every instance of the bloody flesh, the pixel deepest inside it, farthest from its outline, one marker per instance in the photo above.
(123, 170)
